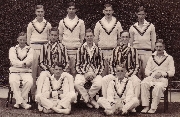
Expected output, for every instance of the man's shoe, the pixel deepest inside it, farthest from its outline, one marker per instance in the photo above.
(108, 112)
(133, 110)
(145, 110)
(47, 111)
(26, 106)
(124, 112)
(89, 105)
(94, 103)
(16, 106)
(152, 111)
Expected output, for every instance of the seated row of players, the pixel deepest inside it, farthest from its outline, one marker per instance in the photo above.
(120, 90)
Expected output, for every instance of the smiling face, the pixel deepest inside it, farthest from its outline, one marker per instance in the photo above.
(54, 36)
(22, 41)
(120, 72)
(125, 38)
(71, 10)
(141, 16)
(58, 71)
(89, 38)
(159, 48)
(108, 11)
(40, 13)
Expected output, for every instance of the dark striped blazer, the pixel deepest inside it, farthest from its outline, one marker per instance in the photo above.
(127, 56)
(53, 53)
(84, 62)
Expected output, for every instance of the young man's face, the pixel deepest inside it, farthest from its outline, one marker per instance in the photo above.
(159, 48)
(40, 13)
(125, 38)
(54, 36)
(58, 71)
(108, 11)
(22, 40)
(71, 10)
(120, 72)
(89, 37)
(141, 15)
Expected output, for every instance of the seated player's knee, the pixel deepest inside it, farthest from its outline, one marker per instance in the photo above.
(160, 85)
(44, 74)
(73, 96)
(98, 82)
(29, 84)
(37, 97)
(135, 100)
(78, 80)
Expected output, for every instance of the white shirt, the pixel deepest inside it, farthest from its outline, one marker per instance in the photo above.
(38, 31)
(56, 84)
(71, 30)
(128, 92)
(165, 65)
(107, 32)
(143, 36)
(20, 56)
(90, 50)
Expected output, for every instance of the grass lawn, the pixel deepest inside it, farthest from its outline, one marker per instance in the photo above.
(80, 110)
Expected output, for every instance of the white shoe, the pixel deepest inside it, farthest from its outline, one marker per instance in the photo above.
(124, 112)
(108, 112)
(26, 106)
(95, 104)
(16, 106)
(145, 110)
(89, 105)
(151, 111)
(47, 111)
(133, 110)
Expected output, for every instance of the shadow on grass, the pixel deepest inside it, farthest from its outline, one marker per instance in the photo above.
(80, 110)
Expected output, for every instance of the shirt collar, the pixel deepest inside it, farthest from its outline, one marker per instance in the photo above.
(75, 18)
(124, 80)
(35, 20)
(52, 44)
(104, 19)
(165, 53)
(26, 47)
(53, 78)
(62, 75)
(145, 23)
(85, 44)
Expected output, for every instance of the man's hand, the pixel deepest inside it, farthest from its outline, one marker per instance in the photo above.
(29, 65)
(89, 75)
(158, 75)
(24, 65)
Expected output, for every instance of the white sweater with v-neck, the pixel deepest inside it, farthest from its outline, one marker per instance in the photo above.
(38, 32)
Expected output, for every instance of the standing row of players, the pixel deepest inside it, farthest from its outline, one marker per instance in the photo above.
(55, 92)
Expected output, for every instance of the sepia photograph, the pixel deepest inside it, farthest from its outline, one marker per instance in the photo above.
(89, 58)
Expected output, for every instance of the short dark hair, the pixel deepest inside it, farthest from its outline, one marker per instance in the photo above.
(89, 30)
(39, 6)
(54, 29)
(160, 41)
(141, 8)
(125, 31)
(108, 5)
(122, 66)
(22, 34)
(71, 4)
(59, 64)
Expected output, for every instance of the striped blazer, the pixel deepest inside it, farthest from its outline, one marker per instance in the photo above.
(127, 56)
(84, 62)
(53, 53)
